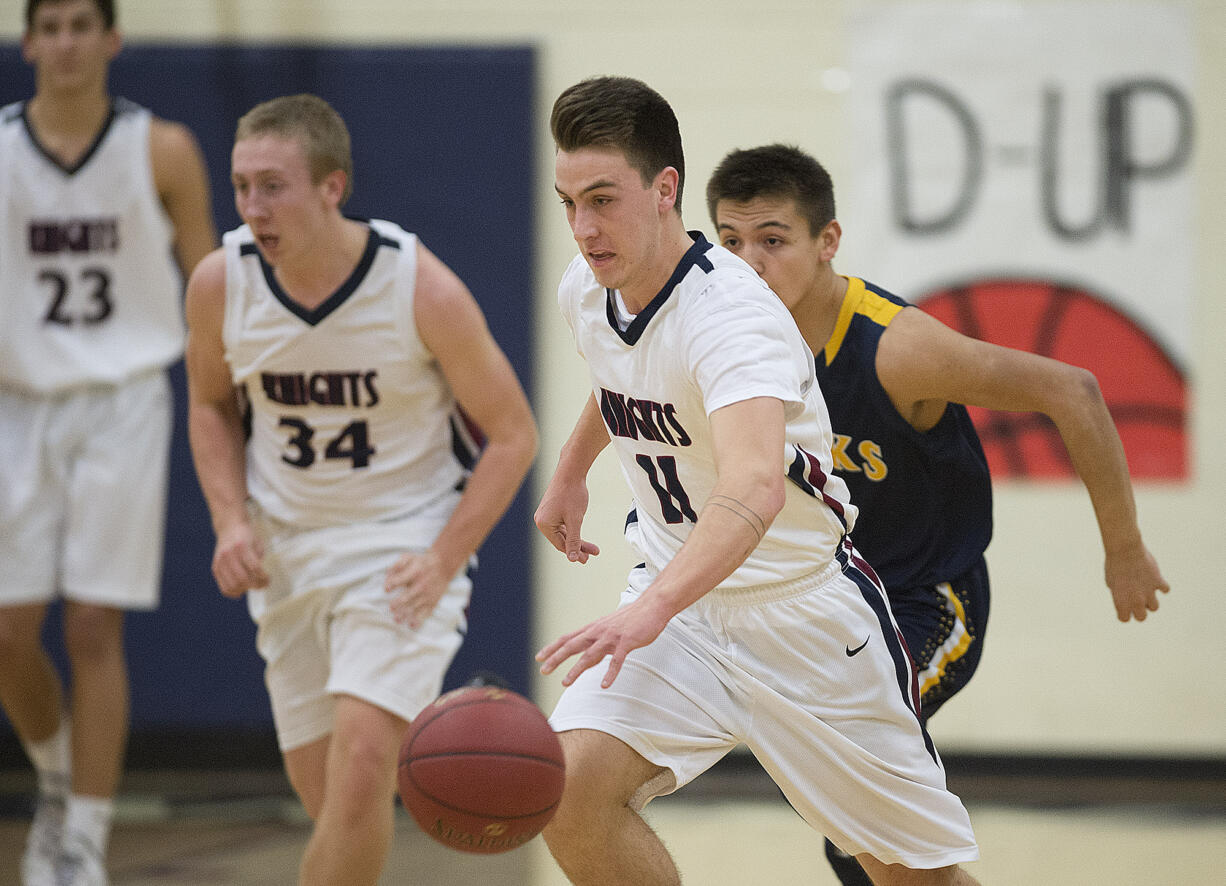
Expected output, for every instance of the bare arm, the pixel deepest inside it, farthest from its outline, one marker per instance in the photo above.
(215, 432)
(183, 186)
(560, 514)
(748, 439)
(924, 364)
(454, 329)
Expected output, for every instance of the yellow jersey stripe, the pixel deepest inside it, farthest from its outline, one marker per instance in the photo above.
(858, 300)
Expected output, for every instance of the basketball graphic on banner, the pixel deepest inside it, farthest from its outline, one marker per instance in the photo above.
(1144, 389)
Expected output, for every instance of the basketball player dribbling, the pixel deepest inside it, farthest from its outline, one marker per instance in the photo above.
(751, 618)
(346, 503)
(895, 381)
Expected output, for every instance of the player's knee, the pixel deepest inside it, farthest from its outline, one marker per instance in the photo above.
(602, 771)
(582, 812)
(365, 766)
(361, 768)
(602, 776)
(92, 633)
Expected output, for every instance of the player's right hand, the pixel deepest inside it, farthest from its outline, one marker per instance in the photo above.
(613, 636)
(559, 517)
(238, 560)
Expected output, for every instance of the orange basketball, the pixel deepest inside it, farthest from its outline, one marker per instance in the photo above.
(1144, 389)
(481, 770)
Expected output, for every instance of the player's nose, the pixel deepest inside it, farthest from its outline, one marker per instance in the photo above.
(583, 224)
(753, 258)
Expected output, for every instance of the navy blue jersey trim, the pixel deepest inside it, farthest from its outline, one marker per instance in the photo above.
(336, 299)
(694, 257)
(855, 568)
(55, 161)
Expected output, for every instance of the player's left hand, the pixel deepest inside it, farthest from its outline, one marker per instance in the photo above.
(1134, 580)
(416, 582)
(615, 635)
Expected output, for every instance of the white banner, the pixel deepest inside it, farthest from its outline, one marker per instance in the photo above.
(1030, 164)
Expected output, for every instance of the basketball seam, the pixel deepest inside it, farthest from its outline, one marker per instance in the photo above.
(515, 755)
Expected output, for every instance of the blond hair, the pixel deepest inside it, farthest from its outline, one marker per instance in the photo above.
(314, 124)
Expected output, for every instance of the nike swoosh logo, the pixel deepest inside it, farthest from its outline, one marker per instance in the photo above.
(850, 652)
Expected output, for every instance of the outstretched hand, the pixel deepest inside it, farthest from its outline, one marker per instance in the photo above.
(615, 635)
(1134, 580)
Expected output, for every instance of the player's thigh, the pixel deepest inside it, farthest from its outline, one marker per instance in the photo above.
(602, 770)
(365, 742)
(390, 665)
(116, 516)
(836, 728)
(291, 637)
(32, 500)
(674, 704)
(944, 626)
(21, 629)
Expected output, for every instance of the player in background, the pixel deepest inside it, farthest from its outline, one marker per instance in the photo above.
(895, 380)
(751, 617)
(328, 358)
(104, 210)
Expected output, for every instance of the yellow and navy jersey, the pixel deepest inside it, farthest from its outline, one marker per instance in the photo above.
(924, 498)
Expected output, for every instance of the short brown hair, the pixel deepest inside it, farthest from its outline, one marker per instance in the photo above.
(314, 123)
(106, 9)
(775, 170)
(624, 114)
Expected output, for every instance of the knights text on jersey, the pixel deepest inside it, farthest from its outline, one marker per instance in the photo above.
(715, 335)
(351, 417)
(925, 498)
(89, 290)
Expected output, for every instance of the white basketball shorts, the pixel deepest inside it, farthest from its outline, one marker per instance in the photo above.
(325, 627)
(83, 493)
(812, 675)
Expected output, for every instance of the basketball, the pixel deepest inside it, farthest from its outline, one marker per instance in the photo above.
(481, 770)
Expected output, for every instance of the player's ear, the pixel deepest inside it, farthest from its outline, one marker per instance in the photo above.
(334, 184)
(114, 42)
(829, 238)
(666, 183)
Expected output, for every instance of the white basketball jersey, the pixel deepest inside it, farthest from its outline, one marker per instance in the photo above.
(351, 417)
(715, 335)
(89, 291)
